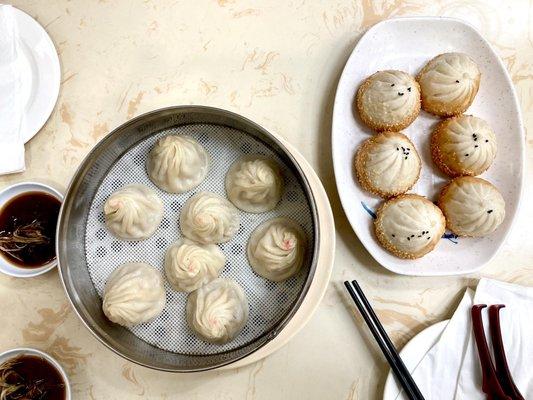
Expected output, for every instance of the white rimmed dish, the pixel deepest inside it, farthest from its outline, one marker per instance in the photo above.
(9, 354)
(41, 74)
(6, 195)
(407, 44)
(412, 353)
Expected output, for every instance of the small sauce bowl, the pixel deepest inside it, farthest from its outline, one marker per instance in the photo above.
(6, 266)
(13, 353)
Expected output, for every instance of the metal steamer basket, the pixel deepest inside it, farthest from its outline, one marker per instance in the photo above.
(87, 253)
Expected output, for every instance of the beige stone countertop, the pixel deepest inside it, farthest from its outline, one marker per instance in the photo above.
(278, 63)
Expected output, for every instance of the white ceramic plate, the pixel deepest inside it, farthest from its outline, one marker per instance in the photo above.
(40, 71)
(412, 354)
(407, 44)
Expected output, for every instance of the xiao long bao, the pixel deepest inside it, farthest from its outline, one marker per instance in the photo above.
(133, 294)
(218, 311)
(254, 184)
(133, 212)
(190, 265)
(177, 163)
(276, 249)
(208, 218)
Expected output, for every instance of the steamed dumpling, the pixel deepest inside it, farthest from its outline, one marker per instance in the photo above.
(472, 206)
(218, 311)
(254, 184)
(189, 265)
(133, 212)
(276, 249)
(388, 100)
(463, 145)
(177, 163)
(449, 83)
(133, 294)
(209, 218)
(409, 226)
(387, 164)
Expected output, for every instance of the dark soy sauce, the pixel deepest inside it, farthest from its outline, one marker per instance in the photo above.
(35, 377)
(28, 228)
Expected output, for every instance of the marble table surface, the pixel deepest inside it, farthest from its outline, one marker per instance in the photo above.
(278, 63)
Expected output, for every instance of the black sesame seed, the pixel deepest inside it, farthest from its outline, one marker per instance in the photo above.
(408, 149)
(457, 81)
(412, 235)
(476, 145)
(400, 93)
(486, 140)
(408, 89)
(393, 235)
(408, 238)
(489, 211)
(392, 85)
(397, 149)
(406, 157)
(466, 154)
(475, 139)
(419, 236)
(429, 237)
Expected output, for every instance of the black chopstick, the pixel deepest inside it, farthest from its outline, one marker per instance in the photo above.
(389, 351)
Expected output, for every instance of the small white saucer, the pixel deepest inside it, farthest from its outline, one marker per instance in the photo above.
(6, 195)
(41, 74)
(5, 356)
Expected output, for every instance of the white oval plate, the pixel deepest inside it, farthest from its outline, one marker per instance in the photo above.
(40, 71)
(407, 44)
(412, 353)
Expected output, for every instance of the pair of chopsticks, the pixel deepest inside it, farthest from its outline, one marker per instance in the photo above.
(384, 342)
(498, 383)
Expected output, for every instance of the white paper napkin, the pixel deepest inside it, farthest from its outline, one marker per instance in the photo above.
(516, 321)
(11, 141)
(437, 372)
(451, 370)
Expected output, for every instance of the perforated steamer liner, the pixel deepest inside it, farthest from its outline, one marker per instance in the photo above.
(88, 253)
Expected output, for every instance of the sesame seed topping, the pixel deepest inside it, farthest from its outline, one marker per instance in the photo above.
(408, 89)
(489, 211)
(476, 145)
(466, 154)
(457, 81)
(392, 85)
(400, 93)
(486, 140)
